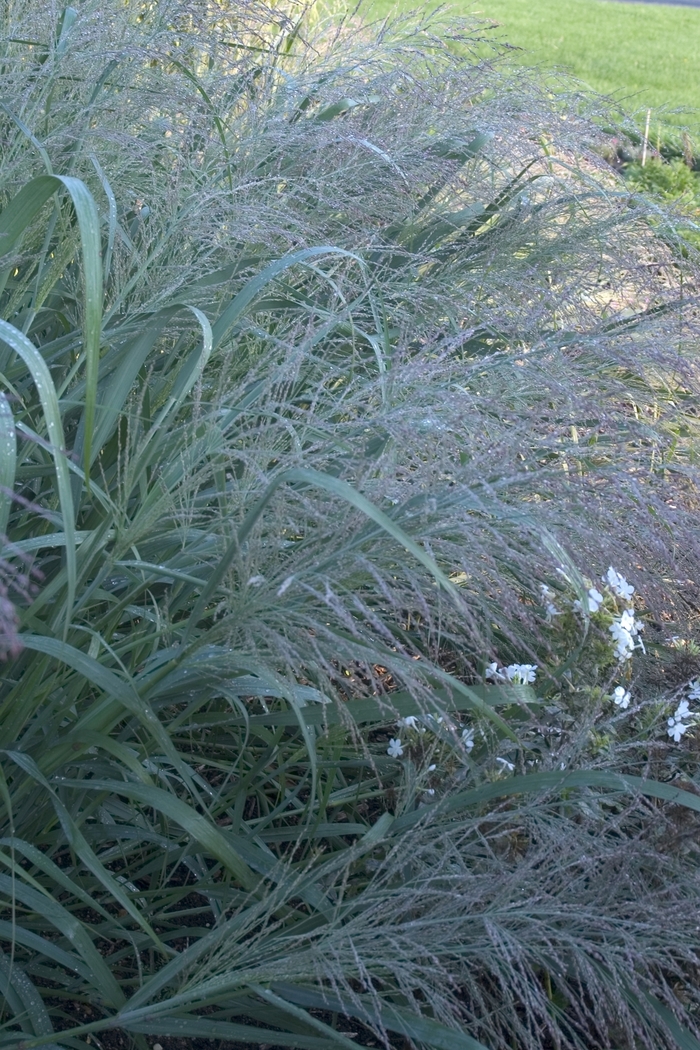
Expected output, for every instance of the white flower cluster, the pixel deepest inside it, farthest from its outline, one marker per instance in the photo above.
(624, 628)
(521, 674)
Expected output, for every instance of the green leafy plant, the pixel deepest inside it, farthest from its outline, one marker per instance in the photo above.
(315, 363)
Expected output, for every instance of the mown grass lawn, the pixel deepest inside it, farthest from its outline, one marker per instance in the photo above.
(645, 55)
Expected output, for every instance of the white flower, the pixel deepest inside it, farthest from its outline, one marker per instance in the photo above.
(621, 697)
(617, 583)
(431, 769)
(468, 738)
(682, 711)
(694, 693)
(676, 729)
(394, 749)
(595, 600)
(521, 674)
(506, 764)
(493, 672)
(409, 722)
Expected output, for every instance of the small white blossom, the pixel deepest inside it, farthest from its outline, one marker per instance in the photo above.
(621, 697)
(493, 672)
(506, 764)
(394, 749)
(468, 738)
(682, 711)
(617, 583)
(431, 769)
(595, 599)
(430, 791)
(694, 693)
(409, 722)
(628, 623)
(676, 729)
(521, 674)
(549, 606)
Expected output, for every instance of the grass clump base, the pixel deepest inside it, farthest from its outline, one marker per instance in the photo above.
(336, 371)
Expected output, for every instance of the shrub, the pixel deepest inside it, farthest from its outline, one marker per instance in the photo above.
(323, 350)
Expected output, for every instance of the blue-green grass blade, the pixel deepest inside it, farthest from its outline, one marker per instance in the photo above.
(205, 1028)
(478, 698)
(215, 116)
(150, 570)
(480, 702)
(685, 1039)
(540, 783)
(419, 1029)
(66, 23)
(190, 371)
(118, 386)
(8, 461)
(300, 1014)
(193, 823)
(345, 491)
(19, 213)
(43, 903)
(111, 220)
(13, 933)
(12, 976)
(183, 962)
(15, 219)
(338, 488)
(79, 844)
(247, 294)
(111, 684)
(51, 870)
(52, 416)
(89, 227)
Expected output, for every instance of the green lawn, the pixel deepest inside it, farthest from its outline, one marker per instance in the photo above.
(645, 55)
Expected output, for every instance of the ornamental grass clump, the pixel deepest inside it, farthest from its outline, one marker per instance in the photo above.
(323, 350)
